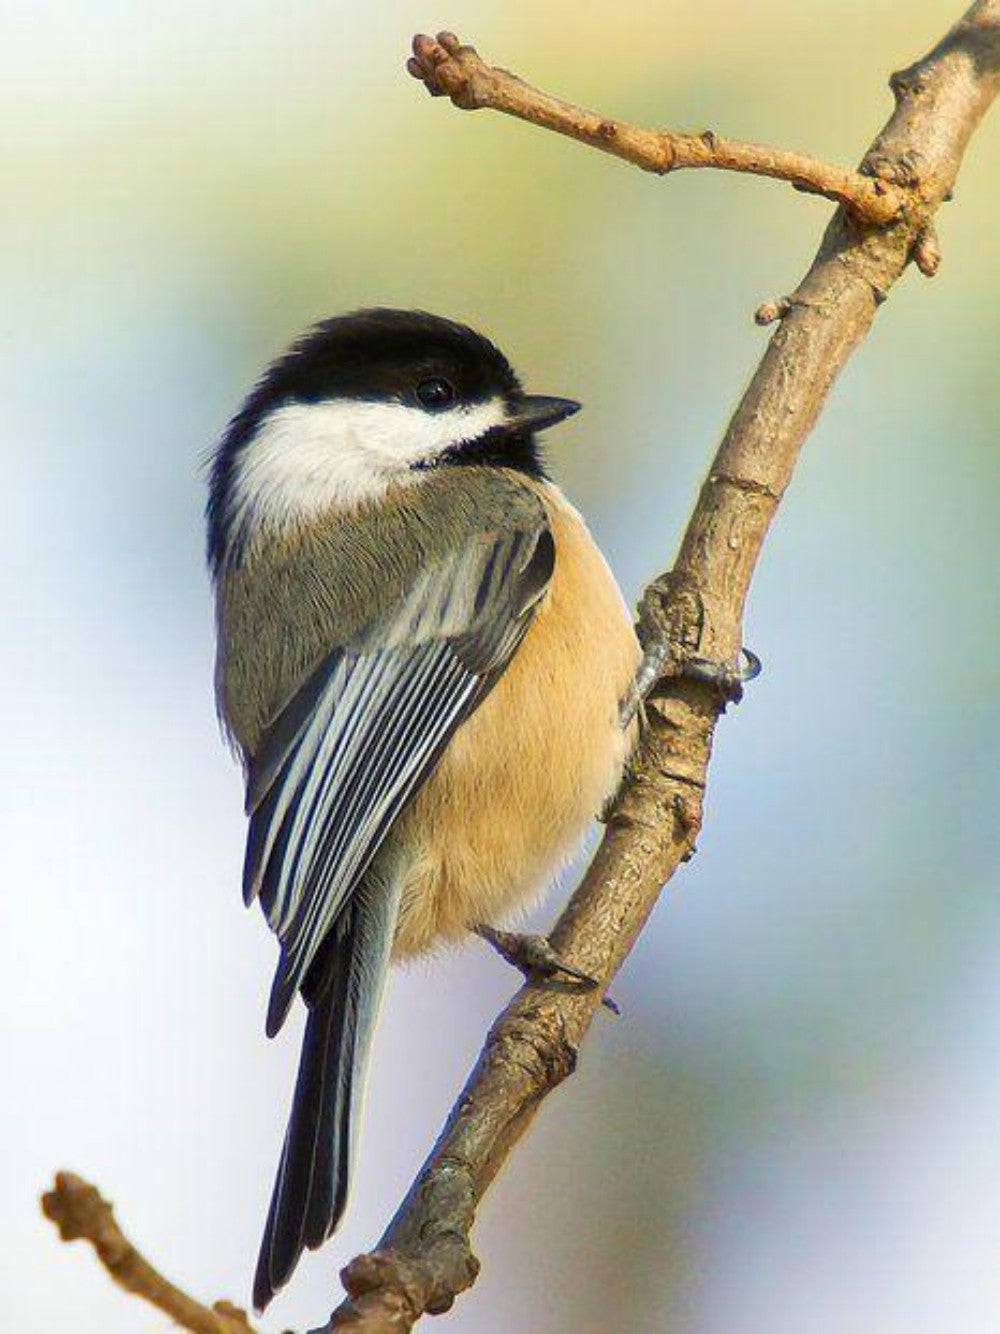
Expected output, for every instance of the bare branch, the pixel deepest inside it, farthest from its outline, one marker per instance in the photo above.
(425, 1259)
(449, 69)
(80, 1213)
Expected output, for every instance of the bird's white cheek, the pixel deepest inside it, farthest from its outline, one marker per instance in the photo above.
(307, 458)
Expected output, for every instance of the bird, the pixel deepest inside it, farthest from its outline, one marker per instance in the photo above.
(422, 663)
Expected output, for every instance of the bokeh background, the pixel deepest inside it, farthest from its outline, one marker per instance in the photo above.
(795, 1126)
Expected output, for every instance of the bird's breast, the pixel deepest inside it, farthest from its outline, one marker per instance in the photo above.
(522, 778)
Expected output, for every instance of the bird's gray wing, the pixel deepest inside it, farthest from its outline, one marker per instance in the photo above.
(339, 763)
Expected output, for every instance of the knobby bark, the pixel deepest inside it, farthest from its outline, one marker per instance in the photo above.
(885, 220)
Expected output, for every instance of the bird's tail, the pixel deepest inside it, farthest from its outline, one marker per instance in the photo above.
(342, 991)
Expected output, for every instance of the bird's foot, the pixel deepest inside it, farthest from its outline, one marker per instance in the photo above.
(728, 677)
(534, 956)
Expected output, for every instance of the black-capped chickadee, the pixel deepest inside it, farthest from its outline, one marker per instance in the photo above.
(422, 659)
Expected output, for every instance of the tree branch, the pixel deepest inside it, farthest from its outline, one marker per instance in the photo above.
(425, 1259)
(82, 1214)
(449, 69)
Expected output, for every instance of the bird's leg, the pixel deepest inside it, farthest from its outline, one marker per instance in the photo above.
(534, 956)
(671, 627)
(727, 677)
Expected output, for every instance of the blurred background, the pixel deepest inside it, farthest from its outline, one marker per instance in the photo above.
(795, 1124)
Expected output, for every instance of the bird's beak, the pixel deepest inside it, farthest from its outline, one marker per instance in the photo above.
(534, 412)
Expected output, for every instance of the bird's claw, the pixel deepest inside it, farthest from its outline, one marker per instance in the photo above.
(728, 677)
(535, 957)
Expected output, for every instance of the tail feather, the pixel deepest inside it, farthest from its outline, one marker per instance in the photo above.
(343, 991)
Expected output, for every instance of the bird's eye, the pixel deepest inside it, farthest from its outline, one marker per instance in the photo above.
(436, 394)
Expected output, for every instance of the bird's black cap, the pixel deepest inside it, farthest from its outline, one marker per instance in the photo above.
(389, 355)
(383, 355)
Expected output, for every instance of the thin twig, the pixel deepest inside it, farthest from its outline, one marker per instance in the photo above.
(425, 1259)
(82, 1214)
(449, 69)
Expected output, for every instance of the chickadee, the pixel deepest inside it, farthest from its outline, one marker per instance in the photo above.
(422, 655)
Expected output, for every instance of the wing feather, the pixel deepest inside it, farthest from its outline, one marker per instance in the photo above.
(344, 756)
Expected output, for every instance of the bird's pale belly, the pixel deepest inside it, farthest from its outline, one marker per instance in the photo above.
(520, 781)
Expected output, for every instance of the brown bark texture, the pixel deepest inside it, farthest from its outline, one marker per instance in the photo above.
(884, 220)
